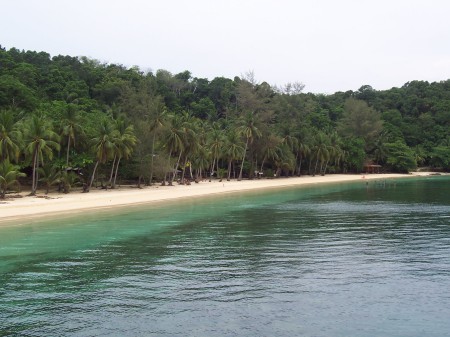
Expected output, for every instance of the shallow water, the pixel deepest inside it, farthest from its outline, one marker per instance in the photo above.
(337, 260)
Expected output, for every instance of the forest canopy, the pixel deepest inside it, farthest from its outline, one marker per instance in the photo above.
(67, 119)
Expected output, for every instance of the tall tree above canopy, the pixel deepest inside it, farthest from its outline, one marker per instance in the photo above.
(360, 121)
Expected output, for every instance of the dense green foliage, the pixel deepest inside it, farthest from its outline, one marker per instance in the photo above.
(80, 113)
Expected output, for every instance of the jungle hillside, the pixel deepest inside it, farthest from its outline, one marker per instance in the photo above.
(68, 121)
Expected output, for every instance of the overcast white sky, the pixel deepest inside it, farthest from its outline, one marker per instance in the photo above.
(329, 45)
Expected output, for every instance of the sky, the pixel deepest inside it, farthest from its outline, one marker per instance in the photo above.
(328, 45)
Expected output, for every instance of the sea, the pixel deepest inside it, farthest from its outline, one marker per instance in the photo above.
(366, 258)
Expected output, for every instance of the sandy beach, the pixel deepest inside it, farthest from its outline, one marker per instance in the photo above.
(54, 204)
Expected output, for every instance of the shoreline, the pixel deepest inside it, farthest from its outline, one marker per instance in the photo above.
(55, 204)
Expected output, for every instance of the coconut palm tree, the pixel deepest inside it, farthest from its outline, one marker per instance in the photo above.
(201, 161)
(232, 148)
(40, 140)
(49, 175)
(124, 143)
(10, 136)
(103, 145)
(249, 130)
(71, 129)
(271, 149)
(191, 140)
(215, 145)
(157, 119)
(334, 150)
(303, 150)
(9, 175)
(174, 140)
(320, 150)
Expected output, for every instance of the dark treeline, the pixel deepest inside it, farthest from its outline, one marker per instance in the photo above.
(67, 120)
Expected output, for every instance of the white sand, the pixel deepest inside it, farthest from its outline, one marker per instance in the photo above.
(12, 210)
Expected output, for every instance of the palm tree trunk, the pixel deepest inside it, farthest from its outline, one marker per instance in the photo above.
(299, 168)
(184, 170)
(317, 161)
(229, 170)
(176, 168)
(165, 175)
(117, 170)
(243, 158)
(68, 150)
(112, 170)
(262, 164)
(212, 169)
(325, 169)
(151, 160)
(33, 183)
(93, 176)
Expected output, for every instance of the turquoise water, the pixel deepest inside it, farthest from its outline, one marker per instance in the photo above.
(341, 260)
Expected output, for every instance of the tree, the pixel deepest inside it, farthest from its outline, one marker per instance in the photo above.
(157, 119)
(215, 146)
(321, 150)
(400, 157)
(50, 175)
(360, 121)
(9, 175)
(124, 143)
(10, 136)
(40, 140)
(233, 148)
(71, 128)
(249, 130)
(174, 140)
(103, 145)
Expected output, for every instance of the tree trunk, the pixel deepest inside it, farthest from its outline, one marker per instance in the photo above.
(115, 175)
(151, 161)
(112, 170)
(93, 176)
(176, 169)
(33, 183)
(262, 164)
(325, 169)
(229, 170)
(317, 161)
(212, 169)
(299, 169)
(68, 150)
(243, 159)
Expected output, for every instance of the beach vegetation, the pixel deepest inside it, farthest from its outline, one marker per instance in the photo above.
(9, 177)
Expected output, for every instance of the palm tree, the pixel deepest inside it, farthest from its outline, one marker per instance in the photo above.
(71, 128)
(201, 161)
(103, 145)
(40, 141)
(68, 180)
(215, 145)
(174, 139)
(124, 143)
(191, 142)
(321, 150)
(233, 148)
(271, 149)
(8, 176)
(157, 120)
(303, 150)
(10, 137)
(50, 175)
(250, 131)
(334, 149)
